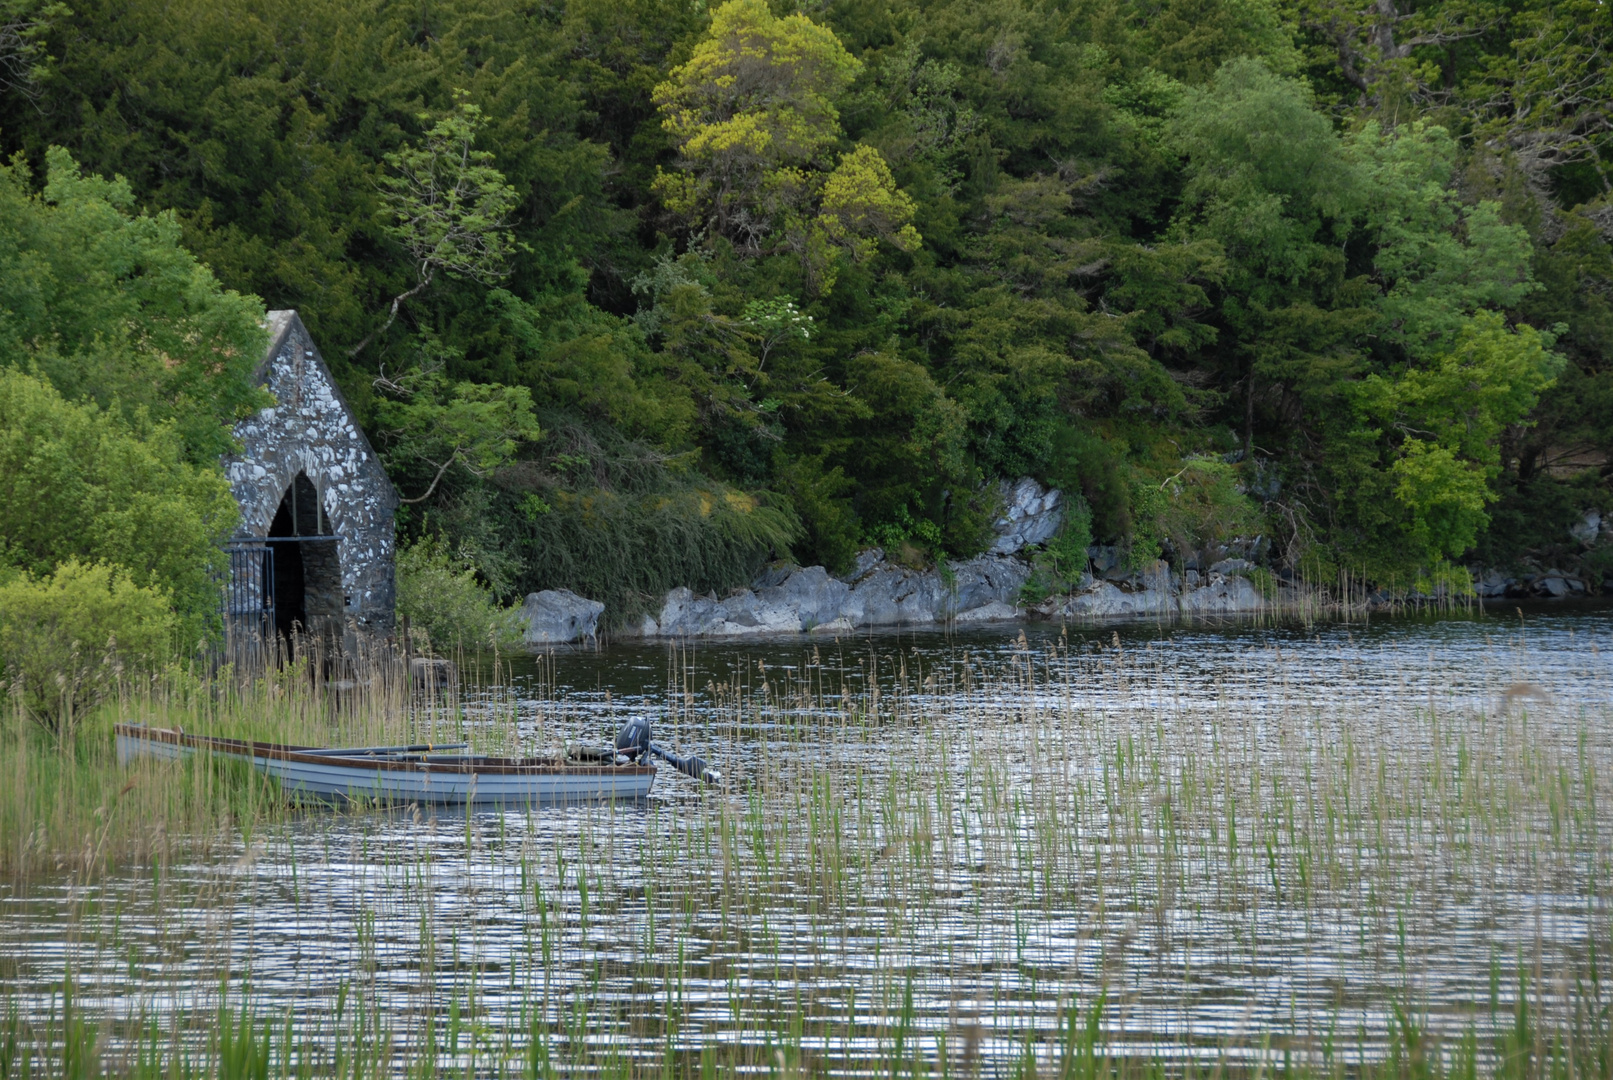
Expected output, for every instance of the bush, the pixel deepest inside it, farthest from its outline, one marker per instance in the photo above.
(1058, 566)
(67, 640)
(1199, 505)
(79, 482)
(438, 592)
(627, 549)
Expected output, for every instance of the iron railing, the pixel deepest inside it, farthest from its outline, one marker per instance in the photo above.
(248, 602)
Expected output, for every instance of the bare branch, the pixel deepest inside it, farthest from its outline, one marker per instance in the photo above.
(435, 480)
(397, 301)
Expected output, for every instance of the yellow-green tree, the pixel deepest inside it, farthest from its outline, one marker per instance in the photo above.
(754, 118)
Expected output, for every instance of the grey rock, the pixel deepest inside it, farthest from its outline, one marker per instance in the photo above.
(775, 574)
(1586, 529)
(867, 559)
(1232, 566)
(749, 612)
(1156, 577)
(642, 627)
(554, 616)
(795, 599)
(1265, 483)
(1553, 584)
(1031, 515)
(810, 593)
(996, 611)
(1491, 585)
(895, 596)
(685, 614)
(1104, 557)
(1104, 599)
(1223, 596)
(1250, 549)
(742, 610)
(985, 579)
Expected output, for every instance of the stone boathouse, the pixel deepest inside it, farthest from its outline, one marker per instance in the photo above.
(315, 546)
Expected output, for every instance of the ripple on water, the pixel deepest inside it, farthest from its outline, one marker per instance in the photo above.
(1234, 833)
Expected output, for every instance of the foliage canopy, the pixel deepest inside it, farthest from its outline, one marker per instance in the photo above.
(1339, 275)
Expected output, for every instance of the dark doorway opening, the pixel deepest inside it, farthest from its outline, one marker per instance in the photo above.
(307, 566)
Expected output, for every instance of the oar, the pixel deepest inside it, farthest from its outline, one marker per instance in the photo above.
(634, 741)
(416, 748)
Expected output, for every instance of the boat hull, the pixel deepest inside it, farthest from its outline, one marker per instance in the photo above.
(486, 782)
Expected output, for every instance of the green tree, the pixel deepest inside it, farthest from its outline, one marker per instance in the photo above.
(448, 208)
(754, 119)
(23, 59)
(1445, 419)
(750, 111)
(444, 425)
(81, 482)
(111, 308)
(860, 206)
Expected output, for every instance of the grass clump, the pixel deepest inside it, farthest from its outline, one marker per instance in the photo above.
(623, 528)
(68, 805)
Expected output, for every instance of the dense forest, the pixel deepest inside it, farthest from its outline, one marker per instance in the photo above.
(635, 293)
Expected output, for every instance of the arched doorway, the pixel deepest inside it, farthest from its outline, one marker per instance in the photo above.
(307, 564)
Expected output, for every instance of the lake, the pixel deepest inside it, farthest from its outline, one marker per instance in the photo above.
(1185, 845)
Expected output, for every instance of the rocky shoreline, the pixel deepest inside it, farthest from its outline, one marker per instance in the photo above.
(879, 592)
(988, 588)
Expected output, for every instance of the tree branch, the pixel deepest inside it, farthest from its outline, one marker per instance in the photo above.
(397, 301)
(435, 480)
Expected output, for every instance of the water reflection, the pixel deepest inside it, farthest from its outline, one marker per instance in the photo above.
(942, 842)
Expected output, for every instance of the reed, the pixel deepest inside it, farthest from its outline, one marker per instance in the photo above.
(1063, 864)
(67, 805)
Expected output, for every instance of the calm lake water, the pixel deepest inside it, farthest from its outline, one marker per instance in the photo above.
(1241, 837)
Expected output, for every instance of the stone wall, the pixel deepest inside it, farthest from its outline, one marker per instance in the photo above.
(310, 429)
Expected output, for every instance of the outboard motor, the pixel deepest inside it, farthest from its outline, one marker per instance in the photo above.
(634, 738)
(633, 742)
(693, 766)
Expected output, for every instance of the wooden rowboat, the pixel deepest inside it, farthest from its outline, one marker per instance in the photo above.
(402, 775)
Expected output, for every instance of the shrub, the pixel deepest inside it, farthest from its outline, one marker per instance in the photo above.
(438, 592)
(618, 521)
(1201, 503)
(627, 549)
(906, 539)
(68, 639)
(829, 529)
(80, 482)
(1058, 566)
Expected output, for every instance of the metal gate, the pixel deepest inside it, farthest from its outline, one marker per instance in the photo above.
(249, 600)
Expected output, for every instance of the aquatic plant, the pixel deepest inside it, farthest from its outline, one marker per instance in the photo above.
(1066, 859)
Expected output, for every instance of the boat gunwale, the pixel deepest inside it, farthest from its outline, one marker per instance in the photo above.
(309, 755)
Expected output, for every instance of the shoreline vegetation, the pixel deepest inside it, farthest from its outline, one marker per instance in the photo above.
(968, 810)
(744, 318)
(883, 595)
(629, 299)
